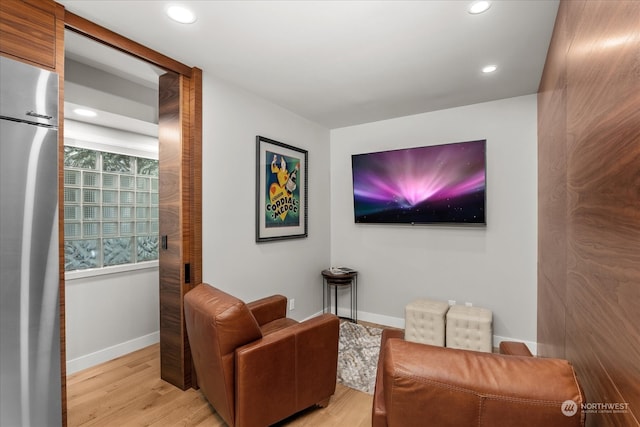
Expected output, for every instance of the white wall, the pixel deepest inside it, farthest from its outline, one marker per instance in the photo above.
(492, 267)
(114, 310)
(110, 315)
(232, 260)
(101, 90)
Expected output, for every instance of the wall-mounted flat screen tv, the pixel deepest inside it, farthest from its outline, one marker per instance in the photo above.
(438, 184)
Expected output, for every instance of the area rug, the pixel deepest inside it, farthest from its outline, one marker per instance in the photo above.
(358, 350)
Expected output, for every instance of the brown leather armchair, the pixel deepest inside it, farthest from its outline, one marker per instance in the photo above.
(255, 366)
(423, 385)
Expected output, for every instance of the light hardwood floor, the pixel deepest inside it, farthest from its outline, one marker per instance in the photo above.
(128, 391)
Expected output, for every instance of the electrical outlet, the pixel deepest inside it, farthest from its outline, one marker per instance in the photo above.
(452, 302)
(468, 304)
(292, 304)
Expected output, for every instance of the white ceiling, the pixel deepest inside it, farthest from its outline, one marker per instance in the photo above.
(340, 63)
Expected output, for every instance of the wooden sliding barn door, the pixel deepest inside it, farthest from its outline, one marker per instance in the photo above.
(180, 163)
(180, 221)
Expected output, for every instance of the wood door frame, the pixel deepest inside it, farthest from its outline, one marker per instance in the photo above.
(188, 125)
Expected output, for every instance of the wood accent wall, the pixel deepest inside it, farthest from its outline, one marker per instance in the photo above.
(29, 30)
(589, 202)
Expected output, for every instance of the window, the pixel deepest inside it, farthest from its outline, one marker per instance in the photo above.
(110, 209)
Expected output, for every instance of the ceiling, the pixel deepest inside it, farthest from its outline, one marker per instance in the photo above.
(341, 63)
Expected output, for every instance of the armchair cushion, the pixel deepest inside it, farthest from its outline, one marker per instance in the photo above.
(268, 309)
(289, 365)
(276, 325)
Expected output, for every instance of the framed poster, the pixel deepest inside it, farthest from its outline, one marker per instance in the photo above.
(281, 191)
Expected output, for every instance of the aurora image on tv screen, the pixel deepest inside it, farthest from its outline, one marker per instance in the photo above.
(437, 184)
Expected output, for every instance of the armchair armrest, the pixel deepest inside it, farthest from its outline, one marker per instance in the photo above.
(268, 309)
(379, 411)
(514, 348)
(287, 370)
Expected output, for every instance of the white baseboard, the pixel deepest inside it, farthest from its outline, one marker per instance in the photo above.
(109, 353)
(380, 319)
(312, 316)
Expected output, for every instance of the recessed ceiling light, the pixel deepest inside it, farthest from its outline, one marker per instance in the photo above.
(479, 7)
(181, 14)
(85, 112)
(489, 69)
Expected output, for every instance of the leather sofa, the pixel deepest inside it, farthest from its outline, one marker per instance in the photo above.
(254, 365)
(424, 385)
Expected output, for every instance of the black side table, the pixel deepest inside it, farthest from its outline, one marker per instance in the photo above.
(343, 277)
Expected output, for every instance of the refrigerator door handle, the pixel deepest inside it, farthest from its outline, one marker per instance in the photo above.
(39, 116)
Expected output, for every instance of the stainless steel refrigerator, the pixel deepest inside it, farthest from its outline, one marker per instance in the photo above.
(30, 393)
